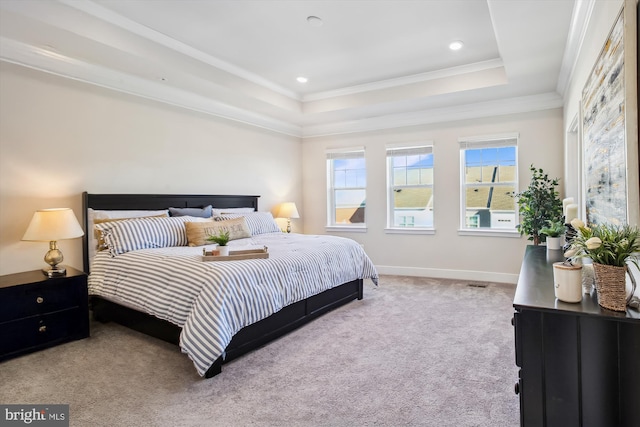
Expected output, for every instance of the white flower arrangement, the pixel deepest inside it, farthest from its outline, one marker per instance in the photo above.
(605, 243)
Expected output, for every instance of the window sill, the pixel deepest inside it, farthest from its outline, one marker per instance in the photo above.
(489, 233)
(409, 230)
(347, 228)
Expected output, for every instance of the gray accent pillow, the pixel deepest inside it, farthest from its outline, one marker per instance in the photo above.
(205, 212)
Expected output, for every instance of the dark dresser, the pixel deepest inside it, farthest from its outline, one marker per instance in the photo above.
(579, 363)
(37, 312)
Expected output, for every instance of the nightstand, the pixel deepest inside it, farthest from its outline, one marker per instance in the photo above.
(37, 312)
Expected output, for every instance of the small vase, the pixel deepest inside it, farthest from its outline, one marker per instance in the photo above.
(567, 282)
(224, 250)
(588, 278)
(554, 243)
(611, 286)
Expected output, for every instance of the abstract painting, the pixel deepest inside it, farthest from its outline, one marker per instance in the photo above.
(604, 135)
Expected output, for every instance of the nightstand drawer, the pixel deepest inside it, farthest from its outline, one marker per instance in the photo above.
(30, 300)
(32, 332)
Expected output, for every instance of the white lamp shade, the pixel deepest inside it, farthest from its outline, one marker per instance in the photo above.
(288, 210)
(53, 224)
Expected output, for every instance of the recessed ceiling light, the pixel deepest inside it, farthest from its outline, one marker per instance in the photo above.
(302, 79)
(456, 45)
(314, 21)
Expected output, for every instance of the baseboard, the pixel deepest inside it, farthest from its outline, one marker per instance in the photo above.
(482, 276)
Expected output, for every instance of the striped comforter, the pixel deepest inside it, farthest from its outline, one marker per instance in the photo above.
(212, 301)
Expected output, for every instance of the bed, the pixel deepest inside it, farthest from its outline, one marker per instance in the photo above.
(184, 291)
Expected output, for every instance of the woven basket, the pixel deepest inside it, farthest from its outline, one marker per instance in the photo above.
(611, 286)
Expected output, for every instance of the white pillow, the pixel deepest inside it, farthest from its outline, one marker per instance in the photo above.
(146, 233)
(99, 214)
(258, 222)
(218, 212)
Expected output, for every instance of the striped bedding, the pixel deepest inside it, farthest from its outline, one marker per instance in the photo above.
(212, 301)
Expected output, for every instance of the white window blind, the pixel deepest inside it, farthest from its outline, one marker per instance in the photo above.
(408, 151)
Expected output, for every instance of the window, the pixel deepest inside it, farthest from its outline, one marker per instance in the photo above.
(410, 187)
(489, 182)
(347, 181)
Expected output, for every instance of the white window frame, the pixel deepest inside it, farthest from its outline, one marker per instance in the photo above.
(488, 141)
(342, 153)
(406, 149)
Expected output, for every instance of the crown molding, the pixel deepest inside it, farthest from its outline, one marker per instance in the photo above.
(582, 12)
(40, 59)
(118, 20)
(406, 80)
(54, 63)
(545, 101)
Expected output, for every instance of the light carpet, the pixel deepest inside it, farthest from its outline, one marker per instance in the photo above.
(413, 352)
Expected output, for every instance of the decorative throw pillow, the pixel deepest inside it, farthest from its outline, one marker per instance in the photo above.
(95, 214)
(198, 232)
(258, 222)
(101, 244)
(205, 212)
(145, 233)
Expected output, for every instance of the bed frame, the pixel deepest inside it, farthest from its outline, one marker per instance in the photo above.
(248, 338)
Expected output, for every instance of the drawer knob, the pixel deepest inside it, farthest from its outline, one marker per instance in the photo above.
(39, 300)
(42, 328)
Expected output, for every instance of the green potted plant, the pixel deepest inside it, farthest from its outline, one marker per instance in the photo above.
(610, 248)
(554, 230)
(539, 203)
(221, 239)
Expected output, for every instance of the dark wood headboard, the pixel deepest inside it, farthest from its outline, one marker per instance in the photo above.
(155, 202)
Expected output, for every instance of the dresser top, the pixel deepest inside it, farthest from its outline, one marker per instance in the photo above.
(535, 288)
(35, 276)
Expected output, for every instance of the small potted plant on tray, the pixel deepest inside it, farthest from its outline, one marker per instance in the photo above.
(610, 248)
(221, 239)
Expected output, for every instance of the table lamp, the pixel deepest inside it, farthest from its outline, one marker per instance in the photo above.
(51, 225)
(288, 210)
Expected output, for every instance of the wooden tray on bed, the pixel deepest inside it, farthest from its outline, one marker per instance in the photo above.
(237, 255)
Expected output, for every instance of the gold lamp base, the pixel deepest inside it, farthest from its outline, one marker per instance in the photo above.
(53, 258)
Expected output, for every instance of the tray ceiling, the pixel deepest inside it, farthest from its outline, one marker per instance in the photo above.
(370, 64)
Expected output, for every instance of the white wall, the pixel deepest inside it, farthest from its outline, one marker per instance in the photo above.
(445, 254)
(59, 138)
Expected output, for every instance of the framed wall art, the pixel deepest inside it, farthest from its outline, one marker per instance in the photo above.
(610, 127)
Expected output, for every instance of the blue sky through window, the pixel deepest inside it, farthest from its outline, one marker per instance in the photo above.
(503, 156)
(349, 173)
(417, 161)
(349, 176)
